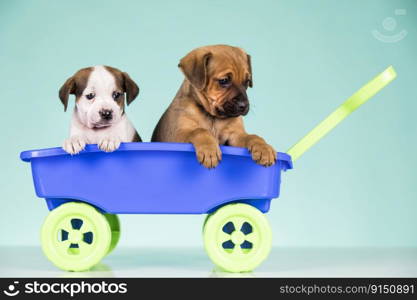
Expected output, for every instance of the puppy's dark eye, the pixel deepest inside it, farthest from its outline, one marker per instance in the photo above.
(90, 96)
(116, 95)
(224, 82)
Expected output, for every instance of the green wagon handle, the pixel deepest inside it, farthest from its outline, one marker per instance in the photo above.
(337, 116)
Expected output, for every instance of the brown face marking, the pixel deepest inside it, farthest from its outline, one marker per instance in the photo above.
(118, 77)
(124, 84)
(75, 85)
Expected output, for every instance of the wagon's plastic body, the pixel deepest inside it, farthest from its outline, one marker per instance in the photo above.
(153, 178)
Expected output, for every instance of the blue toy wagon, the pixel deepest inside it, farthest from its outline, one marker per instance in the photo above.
(85, 192)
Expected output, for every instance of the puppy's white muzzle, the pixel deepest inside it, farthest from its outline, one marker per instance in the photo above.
(99, 112)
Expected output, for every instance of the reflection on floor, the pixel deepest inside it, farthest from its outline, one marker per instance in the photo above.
(189, 262)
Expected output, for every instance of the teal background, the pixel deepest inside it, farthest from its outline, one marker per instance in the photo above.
(357, 187)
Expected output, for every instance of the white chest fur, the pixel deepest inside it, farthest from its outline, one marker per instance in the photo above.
(107, 138)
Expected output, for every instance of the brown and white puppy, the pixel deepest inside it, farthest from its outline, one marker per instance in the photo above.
(208, 108)
(99, 114)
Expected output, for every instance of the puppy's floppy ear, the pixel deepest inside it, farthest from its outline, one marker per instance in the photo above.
(130, 87)
(194, 67)
(250, 70)
(67, 88)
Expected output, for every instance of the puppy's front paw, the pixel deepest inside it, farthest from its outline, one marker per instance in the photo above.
(109, 144)
(263, 154)
(74, 145)
(209, 155)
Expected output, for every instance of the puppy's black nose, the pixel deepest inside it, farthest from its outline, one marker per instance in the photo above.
(242, 106)
(106, 114)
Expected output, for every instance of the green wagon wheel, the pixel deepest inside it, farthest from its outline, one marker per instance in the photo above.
(237, 237)
(75, 236)
(114, 223)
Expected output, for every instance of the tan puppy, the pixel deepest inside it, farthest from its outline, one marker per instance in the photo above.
(208, 108)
